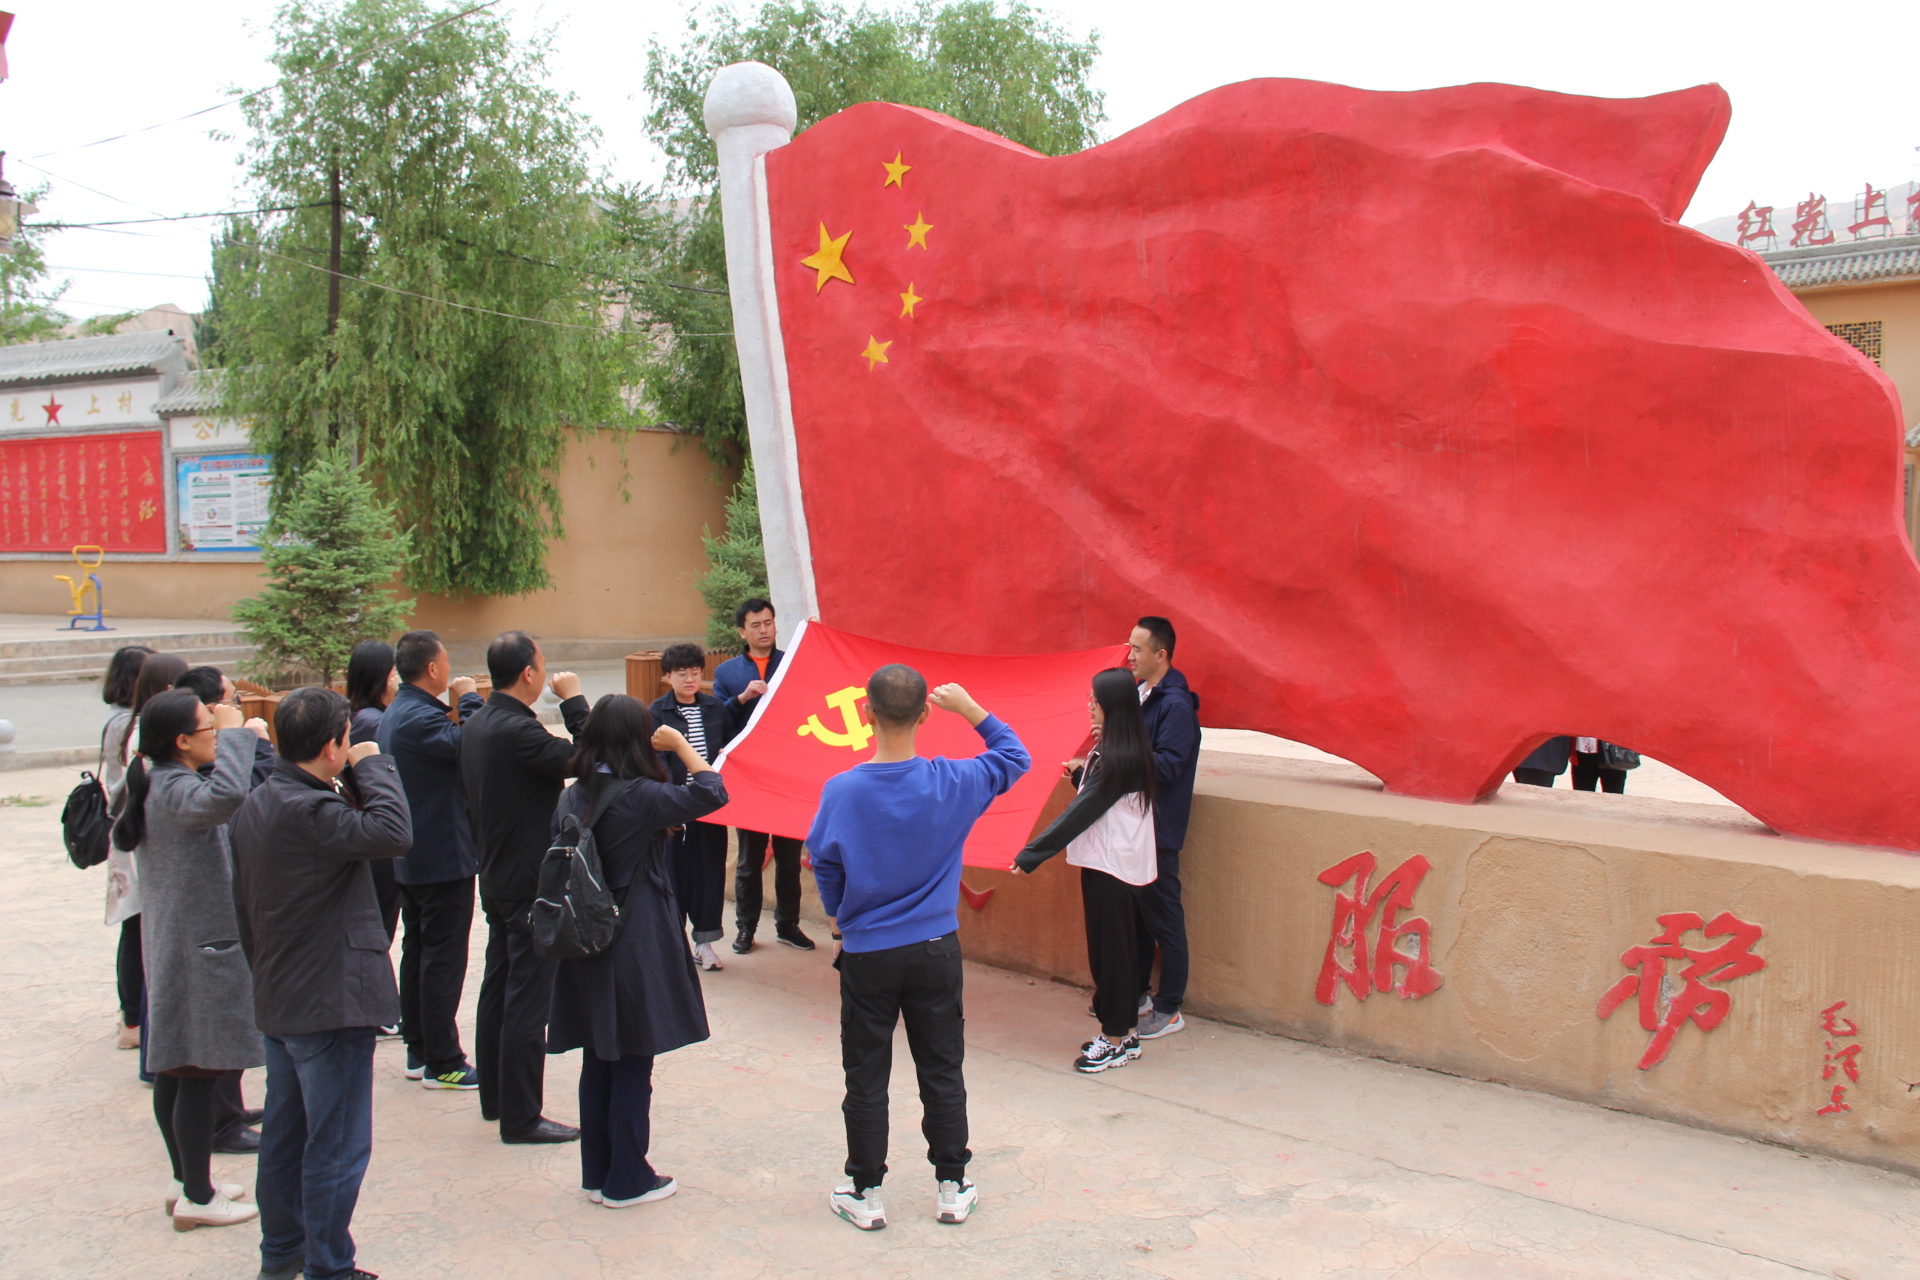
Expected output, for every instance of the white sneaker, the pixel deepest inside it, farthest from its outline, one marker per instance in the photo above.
(704, 957)
(661, 1190)
(231, 1190)
(957, 1200)
(218, 1212)
(867, 1214)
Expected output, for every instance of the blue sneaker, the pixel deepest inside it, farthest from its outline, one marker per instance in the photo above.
(458, 1078)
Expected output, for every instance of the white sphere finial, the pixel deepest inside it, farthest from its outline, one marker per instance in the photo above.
(750, 93)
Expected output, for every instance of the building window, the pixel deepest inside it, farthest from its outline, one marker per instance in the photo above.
(1862, 335)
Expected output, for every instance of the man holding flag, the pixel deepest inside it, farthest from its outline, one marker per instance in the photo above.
(886, 844)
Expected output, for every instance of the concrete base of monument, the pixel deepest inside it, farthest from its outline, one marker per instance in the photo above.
(1484, 941)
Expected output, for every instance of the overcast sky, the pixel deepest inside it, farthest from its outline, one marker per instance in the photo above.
(1823, 95)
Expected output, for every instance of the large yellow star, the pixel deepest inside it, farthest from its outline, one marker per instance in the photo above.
(827, 261)
(908, 299)
(876, 353)
(895, 171)
(916, 231)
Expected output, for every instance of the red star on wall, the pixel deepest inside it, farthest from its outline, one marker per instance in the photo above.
(52, 408)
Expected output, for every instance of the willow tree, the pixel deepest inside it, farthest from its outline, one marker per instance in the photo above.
(1009, 69)
(29, 302)
(423, 293)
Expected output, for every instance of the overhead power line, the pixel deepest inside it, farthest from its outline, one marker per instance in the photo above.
(177, 217)
(347, 61)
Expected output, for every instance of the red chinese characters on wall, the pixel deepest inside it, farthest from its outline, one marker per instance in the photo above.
(1841, 1058)
(104, 490)
(1699, 997)
(1367, 928)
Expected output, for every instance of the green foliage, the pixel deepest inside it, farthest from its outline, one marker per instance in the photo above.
(29, 306)
(332, 549)
(464, 180)
(100, 326)
(737, 564)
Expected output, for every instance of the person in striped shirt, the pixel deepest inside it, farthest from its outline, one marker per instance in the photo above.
(697, 852)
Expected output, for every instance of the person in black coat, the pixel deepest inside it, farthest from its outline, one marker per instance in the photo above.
(1545, 762)
(641, 997)
(698, 852)
(372, 681)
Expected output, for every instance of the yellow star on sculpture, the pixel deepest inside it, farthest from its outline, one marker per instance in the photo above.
(895, 171)
(916, 231)
(876, 353)
(908, 299)
(827, 261)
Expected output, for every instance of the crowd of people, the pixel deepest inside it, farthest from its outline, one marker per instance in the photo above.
(259, 893)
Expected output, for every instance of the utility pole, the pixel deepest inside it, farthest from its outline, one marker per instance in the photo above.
(333, 260)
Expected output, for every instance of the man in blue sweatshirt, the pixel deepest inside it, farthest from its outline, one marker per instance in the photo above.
(886, 857)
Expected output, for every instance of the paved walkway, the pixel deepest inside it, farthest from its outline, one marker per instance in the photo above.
(1221, 1153)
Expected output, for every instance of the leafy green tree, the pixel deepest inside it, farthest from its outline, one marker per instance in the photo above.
(1011, 70)
(737, 564)
(29, 305)
(332, 551)
(470, 337)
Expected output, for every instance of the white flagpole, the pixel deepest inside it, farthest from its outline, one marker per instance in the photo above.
(750, 111)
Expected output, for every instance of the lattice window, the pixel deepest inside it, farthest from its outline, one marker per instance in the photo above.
(1862, 335)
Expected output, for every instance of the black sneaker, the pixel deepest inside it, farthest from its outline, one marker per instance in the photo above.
(1101, 1053)
(791, 935)
(743, 942)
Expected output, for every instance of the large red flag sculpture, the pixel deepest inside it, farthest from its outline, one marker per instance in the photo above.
(809, 726)
(1419, 414)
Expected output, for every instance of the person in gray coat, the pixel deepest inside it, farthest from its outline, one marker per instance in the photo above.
(303, 848)
(199, 988)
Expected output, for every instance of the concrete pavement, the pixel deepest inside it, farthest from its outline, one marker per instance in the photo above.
(1222, 1152)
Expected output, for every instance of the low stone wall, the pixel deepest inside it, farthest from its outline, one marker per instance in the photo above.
(1792, 1025)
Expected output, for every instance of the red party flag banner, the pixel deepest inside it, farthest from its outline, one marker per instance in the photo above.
(808, 727)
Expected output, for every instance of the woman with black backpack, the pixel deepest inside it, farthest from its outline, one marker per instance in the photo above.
(123, 905)
(639, 998)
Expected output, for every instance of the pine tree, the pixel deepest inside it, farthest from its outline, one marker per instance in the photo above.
(331, 551)
(737, 564)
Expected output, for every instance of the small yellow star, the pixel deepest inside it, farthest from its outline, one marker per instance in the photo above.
(895, 171)
(827, 261)
(908, 299)
(876, 352)
(916, 231)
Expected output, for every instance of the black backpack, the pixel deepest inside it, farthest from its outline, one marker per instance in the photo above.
(574, 916)
(85, 823)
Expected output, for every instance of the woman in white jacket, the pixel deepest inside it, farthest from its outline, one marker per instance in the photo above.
(1108, 833)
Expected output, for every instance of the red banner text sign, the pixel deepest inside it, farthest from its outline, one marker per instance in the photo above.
(65, 490)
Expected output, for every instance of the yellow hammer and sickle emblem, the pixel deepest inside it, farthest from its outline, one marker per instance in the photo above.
(856, 734)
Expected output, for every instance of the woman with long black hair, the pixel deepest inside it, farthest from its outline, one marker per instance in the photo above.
(1108, 833)
(116, 690)
(199, 988)
(641, 997)
(371, 683)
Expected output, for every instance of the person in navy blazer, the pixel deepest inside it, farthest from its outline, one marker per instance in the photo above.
(740, 682)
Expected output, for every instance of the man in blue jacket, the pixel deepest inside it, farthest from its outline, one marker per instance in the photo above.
(886, 847)
(1172, 713)
(739, 682)
(436, 875)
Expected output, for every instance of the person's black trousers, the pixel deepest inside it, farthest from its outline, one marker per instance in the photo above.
(698, 856)
(616, 1104)
(229, 1108)
(130, 972)
(749, 878)
(1534, 777)
(516, 993)
(433, 969)
(1163, 923)
(920, 982)
(1587, 771)
(386, 890)
(1112, 909)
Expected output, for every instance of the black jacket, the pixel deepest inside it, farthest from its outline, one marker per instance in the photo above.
(264, 758)
(641, 998)
(309, 920)
(722, 720)
(425, 746)
(1172, 713)
(1550, 756)
(513, 771)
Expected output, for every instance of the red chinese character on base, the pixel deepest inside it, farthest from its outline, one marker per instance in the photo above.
(1706, 1007)
(1839, 1060)
(1756, 223)
(1863, 212)
(1810, 222)
(1373, 962)
(1838, 1104)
